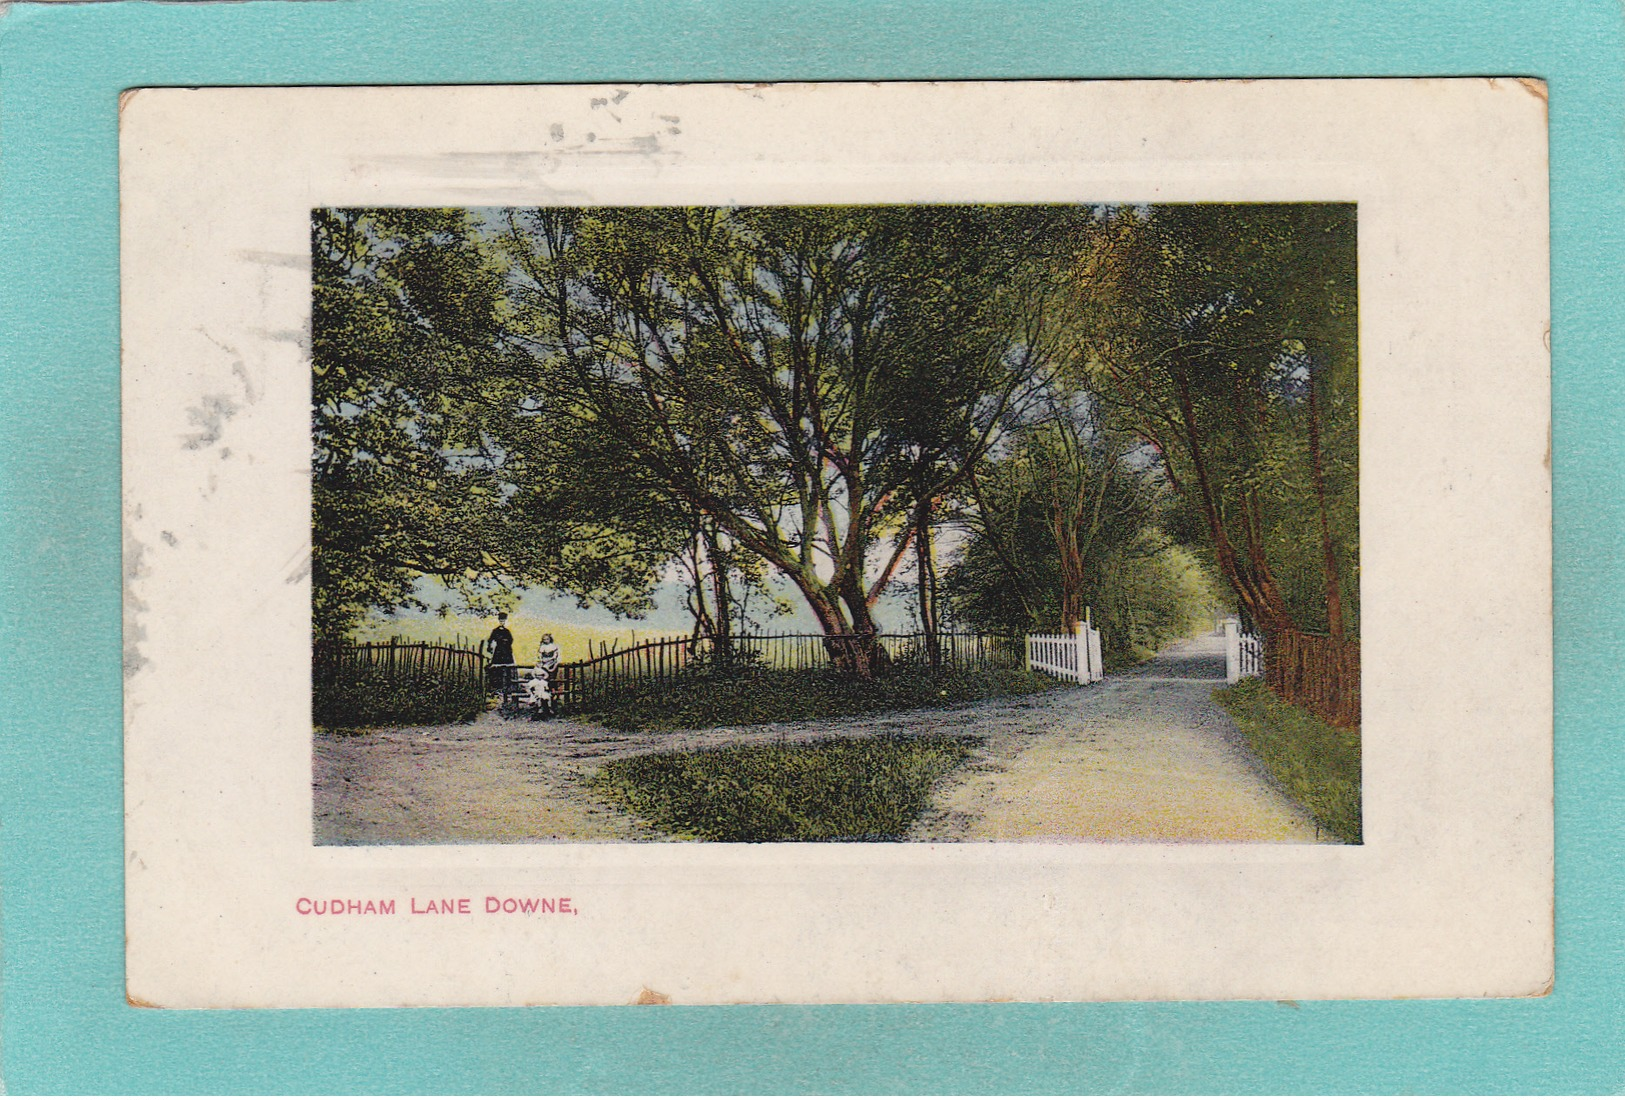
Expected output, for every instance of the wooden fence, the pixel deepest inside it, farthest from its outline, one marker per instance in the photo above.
(380, 683)
(1312, 671)
(1075, 657)
(1317, 673)
(1243, 652)
(585, 685)
(400, 658)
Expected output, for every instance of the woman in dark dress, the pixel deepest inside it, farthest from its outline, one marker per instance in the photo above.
(500, 671)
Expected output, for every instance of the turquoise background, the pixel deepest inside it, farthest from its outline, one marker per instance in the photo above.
(66, 1027)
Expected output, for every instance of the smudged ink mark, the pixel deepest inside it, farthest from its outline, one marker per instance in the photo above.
(169, 538)
(135, 568)
(297, 261)
(300, 569)
(556, 132)
(211, 414)
(240, 371)
(299, 338)
(210, 417)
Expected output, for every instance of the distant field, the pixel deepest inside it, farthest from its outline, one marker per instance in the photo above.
(577, 642)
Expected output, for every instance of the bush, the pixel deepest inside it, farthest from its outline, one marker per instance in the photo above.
(832, 789)
(361, 696)
(790, 695)
(1316, 763)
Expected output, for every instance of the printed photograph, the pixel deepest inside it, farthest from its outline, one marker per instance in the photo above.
(906, 523)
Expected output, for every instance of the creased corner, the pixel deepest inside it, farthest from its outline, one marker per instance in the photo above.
(1535, 87)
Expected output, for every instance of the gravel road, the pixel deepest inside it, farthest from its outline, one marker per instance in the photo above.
(1144, 756)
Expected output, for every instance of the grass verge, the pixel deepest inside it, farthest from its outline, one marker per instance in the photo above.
(369, 697)
(791, 696)
(832, 789)
(1316, 763)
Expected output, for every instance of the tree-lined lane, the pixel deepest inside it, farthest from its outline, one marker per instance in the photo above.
(1145, 756)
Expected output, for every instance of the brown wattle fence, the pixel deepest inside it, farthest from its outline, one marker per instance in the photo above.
(395, 682)
(583, 685)
(1315, 672)
(408, 683)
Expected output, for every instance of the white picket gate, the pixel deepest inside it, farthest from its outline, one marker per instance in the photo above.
(1243, 653)
(1074, 657)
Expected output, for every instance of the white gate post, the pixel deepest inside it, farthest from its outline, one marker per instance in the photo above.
(1232, 651)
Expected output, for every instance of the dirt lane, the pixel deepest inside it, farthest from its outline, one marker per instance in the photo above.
(1147, 756)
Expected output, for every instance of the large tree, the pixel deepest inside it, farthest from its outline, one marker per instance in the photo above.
(807, 380)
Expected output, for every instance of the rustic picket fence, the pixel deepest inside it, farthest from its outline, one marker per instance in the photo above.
(379, 683)
(1312, 671)
(395, 681)
(1318, 673)
(1075, 657)
(664, 662)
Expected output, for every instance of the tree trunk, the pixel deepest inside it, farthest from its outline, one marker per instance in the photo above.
(704, 625)
(852, 646)
(1334, 583)
(722, 596)
(866, 657)
(926, 570)
(1262, 601)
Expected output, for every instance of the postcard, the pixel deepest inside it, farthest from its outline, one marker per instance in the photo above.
(836, 542)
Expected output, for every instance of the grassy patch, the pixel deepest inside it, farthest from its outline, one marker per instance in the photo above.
(793, 695)
(1317, 764)
(373, 696)
(863, 789)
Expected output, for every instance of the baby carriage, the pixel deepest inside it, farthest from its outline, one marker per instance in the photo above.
(530, 697)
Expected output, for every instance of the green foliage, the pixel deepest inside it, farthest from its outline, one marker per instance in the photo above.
(415, 378)
(1147, 600)
(588, 400)
(1227, 337)
(860, 789)
(803, 377)
(1075, 488)
(785, 695)
(372, 695)
(1314, 762)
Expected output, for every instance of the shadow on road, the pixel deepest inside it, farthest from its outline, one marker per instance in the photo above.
(1197, 659)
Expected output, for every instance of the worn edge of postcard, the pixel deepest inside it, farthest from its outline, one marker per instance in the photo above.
(1450, 895)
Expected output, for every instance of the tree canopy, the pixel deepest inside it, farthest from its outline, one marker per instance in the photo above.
(804, 378)
(1076, 398)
